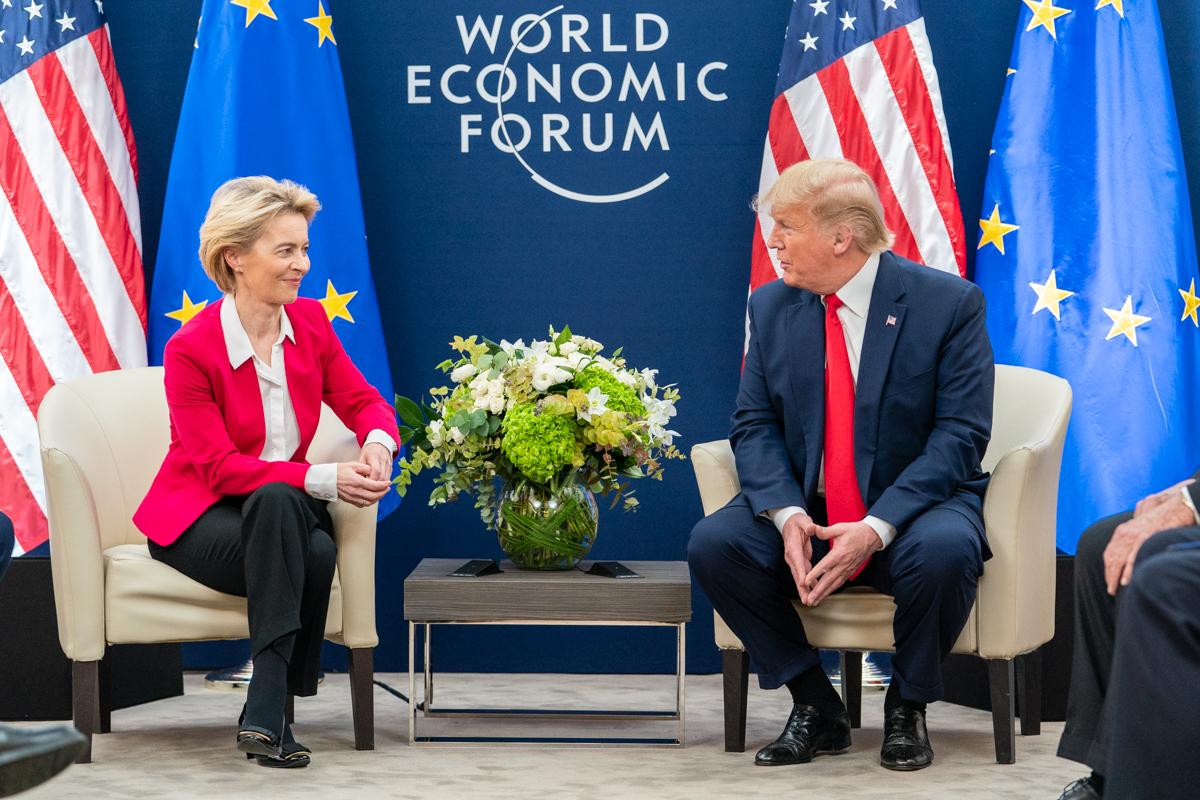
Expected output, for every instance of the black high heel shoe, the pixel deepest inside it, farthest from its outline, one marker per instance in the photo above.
(255, 741)
(293, 756)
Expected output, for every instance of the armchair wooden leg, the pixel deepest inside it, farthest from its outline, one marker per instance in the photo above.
(735, 669)
(1029, 692)
(289, 709)
(1001, 679)
(85, 703)
(105, 691)
(362, 696)
(850, 664)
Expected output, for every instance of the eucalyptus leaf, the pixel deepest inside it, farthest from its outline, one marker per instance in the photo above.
(484, 362)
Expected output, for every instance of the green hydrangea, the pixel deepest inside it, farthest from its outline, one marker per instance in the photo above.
(620, 396)
(538, 445)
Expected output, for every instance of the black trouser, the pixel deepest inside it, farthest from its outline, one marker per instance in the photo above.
(7, 540)
(274, 548)
(1086, 734)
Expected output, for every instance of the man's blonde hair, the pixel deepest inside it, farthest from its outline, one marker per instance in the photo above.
(238, 215)
(835, 192)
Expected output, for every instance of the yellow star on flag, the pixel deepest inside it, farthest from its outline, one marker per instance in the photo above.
(994, 230)
(1125, 321)
(1049, 295)
(323, 23)
(254, 8)
(1011, 71)
(1117, 4)
(188, 311)
(334, 303)
(1190, 303)
(1044, 15)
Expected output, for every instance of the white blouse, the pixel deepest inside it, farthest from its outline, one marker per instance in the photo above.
(282, 432)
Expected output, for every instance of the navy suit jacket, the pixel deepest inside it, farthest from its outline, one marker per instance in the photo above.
(922, 407)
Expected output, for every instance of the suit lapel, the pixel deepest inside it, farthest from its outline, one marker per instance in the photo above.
(806, 362)
(879, 342)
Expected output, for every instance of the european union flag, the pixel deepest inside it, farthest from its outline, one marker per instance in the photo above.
(265, 97)
(1087, 254)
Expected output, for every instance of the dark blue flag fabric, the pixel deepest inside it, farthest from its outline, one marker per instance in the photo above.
(265, 97)
(1086, 250)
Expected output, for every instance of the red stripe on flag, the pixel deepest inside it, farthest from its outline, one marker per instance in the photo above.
(858, 146)
(762, 269)
(91, 170)
(19, 503)
(21, 354)
(916, 104)
(103, 49)
(786, 145)
(55, 263)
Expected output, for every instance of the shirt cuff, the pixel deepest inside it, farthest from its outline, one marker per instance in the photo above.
(378, 436)
(886, 530)
(321, 481)
(780, 515)
(1187, 499)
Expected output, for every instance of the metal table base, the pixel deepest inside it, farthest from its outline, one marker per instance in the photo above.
(426, 708)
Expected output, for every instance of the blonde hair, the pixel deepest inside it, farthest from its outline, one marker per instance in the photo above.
(238, 215)
(835, 192)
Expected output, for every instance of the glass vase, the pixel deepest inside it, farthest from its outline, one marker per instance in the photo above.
(546, 528)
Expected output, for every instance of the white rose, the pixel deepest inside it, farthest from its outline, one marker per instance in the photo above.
(626, 378)
(497, 404)
(483, 400)
(546, 375)
(566, 348)
(480, 384)
(496, 387)
(435, 432)
(462, 373)
(457, 435)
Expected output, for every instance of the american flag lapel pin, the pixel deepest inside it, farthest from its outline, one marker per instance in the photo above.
(891, 320)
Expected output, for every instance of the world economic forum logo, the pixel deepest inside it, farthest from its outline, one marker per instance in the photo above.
(610, 81)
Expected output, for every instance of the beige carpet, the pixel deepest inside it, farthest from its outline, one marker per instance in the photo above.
(184, 747)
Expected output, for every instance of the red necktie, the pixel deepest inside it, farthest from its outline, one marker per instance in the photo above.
(843, 501)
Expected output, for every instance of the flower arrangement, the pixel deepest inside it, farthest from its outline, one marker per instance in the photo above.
(549, 414)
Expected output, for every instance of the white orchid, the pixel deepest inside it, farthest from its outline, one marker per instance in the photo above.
(648, 378)
(658, 412)
(659, 432)
(596, 404)
(510, 348)
(462, 373)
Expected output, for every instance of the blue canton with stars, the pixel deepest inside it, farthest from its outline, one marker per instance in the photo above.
(30, 29)
(819, 33)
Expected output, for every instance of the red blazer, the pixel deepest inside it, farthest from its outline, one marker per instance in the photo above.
(217, 425)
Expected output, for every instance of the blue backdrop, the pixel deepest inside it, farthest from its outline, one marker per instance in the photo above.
(465, 243)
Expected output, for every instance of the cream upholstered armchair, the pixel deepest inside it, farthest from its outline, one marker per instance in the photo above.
(1014, 611)
(103, 438)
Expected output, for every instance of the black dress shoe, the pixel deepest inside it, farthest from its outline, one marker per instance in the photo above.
(255, 741)
(293, 756)
(1082, 789)
(29, 756)
(905, 740)
(807, 733)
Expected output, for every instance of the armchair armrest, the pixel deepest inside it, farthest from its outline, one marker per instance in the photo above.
(354, 535)
(75, 557)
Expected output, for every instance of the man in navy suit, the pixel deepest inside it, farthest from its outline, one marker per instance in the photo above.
(875, 374)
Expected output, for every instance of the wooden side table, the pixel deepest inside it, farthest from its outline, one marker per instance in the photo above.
(519, 597)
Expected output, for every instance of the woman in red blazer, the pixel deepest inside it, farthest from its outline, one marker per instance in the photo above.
(235, 505)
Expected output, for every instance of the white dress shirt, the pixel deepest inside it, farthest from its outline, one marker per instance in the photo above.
(282, 432)
(1187, 501)
(856, 302)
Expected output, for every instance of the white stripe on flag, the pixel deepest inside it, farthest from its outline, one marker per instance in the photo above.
(19, 431)
(83, 72)
(770, 174)
(916, 31)
(814, 120)
(899, 156)
(74, 219)
(44, 319)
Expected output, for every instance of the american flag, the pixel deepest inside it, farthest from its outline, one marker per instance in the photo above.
(72, 297)
(857, 81)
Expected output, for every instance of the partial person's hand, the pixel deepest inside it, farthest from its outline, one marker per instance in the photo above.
(1158, 498)
(379, 458)
(355, 485)
(797, 549)
(1121, 553)
(850, 545)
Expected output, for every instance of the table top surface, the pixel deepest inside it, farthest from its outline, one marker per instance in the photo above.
(662, 595)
